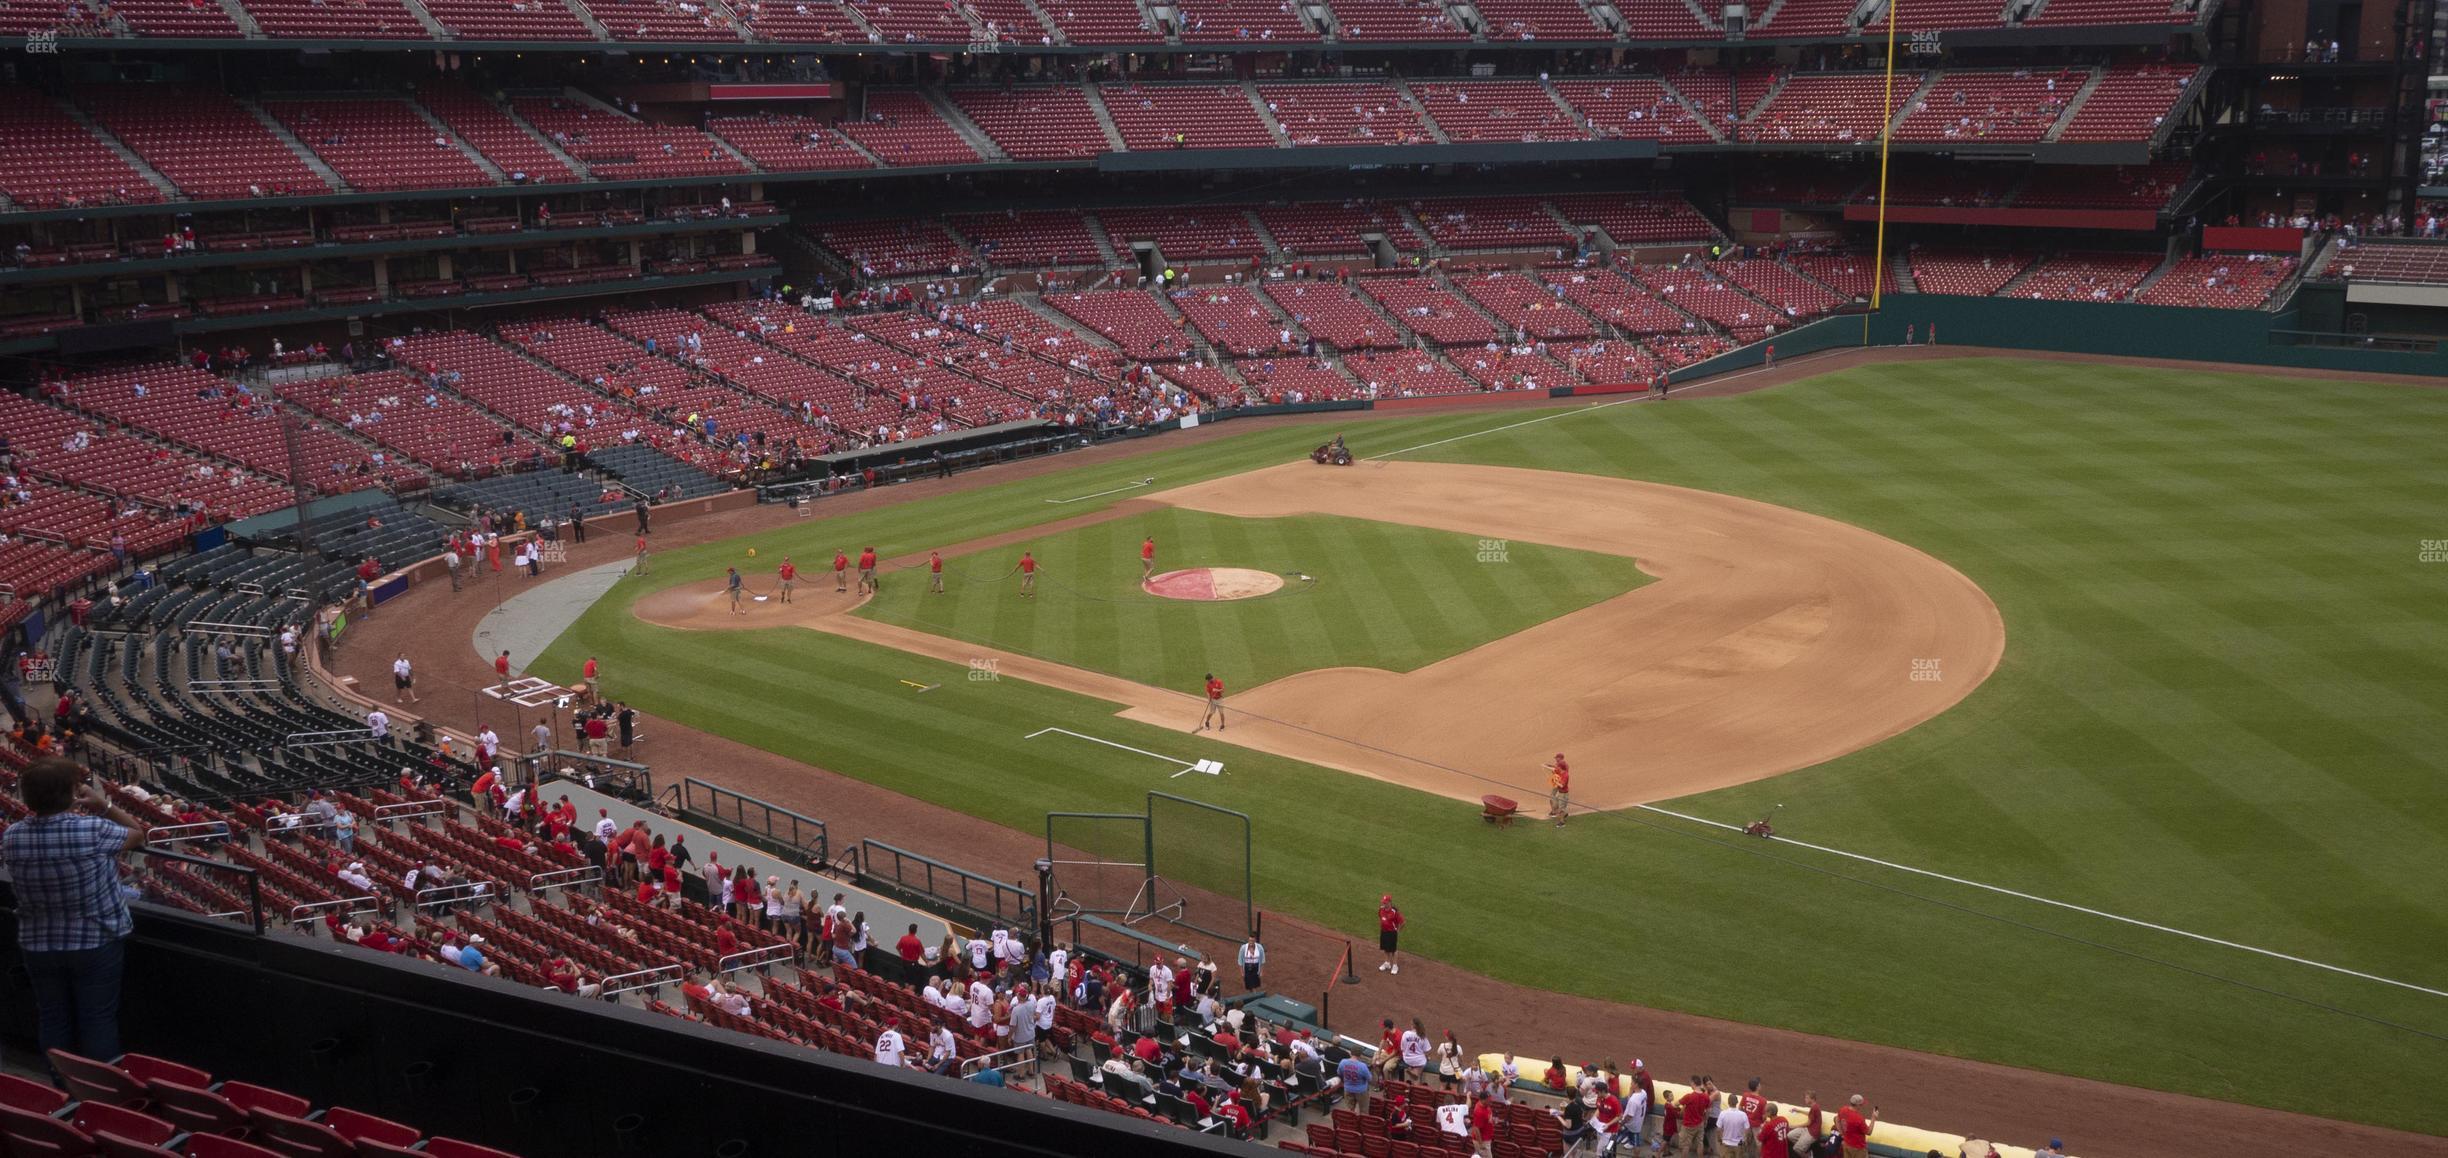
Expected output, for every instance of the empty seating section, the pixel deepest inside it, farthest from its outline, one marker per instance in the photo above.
(202, 141)
(1834, 106)
(663, 20)
(1368, 113)
(1329, 229)
(378, 145)
(2221, 281)
(1515, 223)
(1235, 321)
(1430, 310)
(655, 396)
(1991, 106)
(32, 570)
(75, 519)
(2391, 261)
(1531, 309)
(901, 128)
(1278, 380)
(351, 20)
(1204, 116)
(1036, 237)
(2070, 12)
(1695, 291)
(1033, 333)
(1963, 272)
(52, 443)
(1030, 378)
(1035, 124)
(1846, 273)
(501, 140)
(1202, 233)
(1336, 315)
(179, 18)
(1101, 21)
(617, 147)
(1008, 21)
(915, 21)
(508, 19)
(1634, 108)
(1927, 15)
(525, 393)
(2091, 187)
(1497, 110)
(1380, 20)
(1404, 374)
(2086, 277)
(1936, 181)
(1611, 362)
(1128, 319)
(1538, 20)
(1792, 294)
(2129, 104)
(1241, 22)
(788, 144)
(1511, 368)
(1619, 302)
(1714, 93)
(193, 408)
(768, 371)
(801, 21)
(52, 161)
(1637, 218)
(1818, 18)
(1665, 20)
(432, 426)
(699, 403)
(892, 248)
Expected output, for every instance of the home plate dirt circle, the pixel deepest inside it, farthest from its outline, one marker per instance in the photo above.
(1211, 584)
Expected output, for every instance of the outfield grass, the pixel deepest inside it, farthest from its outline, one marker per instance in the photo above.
(1380, 595)
(2219, 709)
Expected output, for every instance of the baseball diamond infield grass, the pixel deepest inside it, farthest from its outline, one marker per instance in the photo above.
(2219, 709)
(1381, 595)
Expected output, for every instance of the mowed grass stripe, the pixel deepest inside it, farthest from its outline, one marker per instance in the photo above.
(2215, 770)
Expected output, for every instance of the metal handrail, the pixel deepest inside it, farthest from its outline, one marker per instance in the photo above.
(752, 958)
(1021, 1055)
(371, 904)
(563, 878)
(201, 830)
(410, 808)
(1022, 903)
(804, 835)
(475, 892)
(253, 877)
(660, 975)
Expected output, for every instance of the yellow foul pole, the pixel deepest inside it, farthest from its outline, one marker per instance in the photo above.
(1878, 267)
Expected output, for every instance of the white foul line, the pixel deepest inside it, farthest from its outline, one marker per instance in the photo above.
(2140, 924)
(1102, 494)
(1109, 744)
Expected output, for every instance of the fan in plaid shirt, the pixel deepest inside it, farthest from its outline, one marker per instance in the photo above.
(72, 921)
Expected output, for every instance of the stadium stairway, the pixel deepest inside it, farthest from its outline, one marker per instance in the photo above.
(244, 19)
(1275, 129)
(443, 131)
(152, 176)
(594, 26)
(281, 132)
(962, 125)
(1113, 132)
(2073, 107)
(1402, 88)
(425, 19)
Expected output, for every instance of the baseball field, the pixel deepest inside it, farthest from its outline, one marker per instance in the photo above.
(2165, 648)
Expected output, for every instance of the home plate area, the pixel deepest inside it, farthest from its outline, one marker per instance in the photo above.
(1209, 584)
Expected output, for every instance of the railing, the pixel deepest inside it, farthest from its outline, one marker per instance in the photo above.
(176, 833)
(313, 739)
(1007, 905)
(778, 828)
(563, 878)
(410, 809)
(254, 914)
(2337, 341)
(1014, 1058)
(774, 954)
(643, 979)
(361, 904)
(473, 893)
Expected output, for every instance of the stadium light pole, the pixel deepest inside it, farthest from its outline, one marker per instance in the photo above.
(1878, 260)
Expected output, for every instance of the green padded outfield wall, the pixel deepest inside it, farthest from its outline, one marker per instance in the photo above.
(2249, 336)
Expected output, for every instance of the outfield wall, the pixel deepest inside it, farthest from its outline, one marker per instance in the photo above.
(2124, 329)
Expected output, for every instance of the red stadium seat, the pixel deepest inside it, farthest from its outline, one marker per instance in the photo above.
(114, 1146)
(96, 1118)
(28, 1095)
(215, 1146)
(363, 1128)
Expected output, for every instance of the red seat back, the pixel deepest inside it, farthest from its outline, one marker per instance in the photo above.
(215, 1146)
(31, 1135)
(453, 1148)
(246, 1096)
(146, 1068)
(362, 1128)
(195, 1109)
(298, 1137)
(29, 1095)
(95, 1117)
(114, 1146)
(95, 1081)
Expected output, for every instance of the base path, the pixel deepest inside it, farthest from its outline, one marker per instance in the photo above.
(1773, 640)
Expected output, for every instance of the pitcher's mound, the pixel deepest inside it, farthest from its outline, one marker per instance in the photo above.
(1207, 584)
